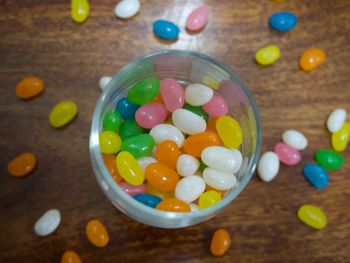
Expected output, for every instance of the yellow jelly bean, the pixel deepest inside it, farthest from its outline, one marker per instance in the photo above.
(211, 82)
(208, 199)
(312, 216)
(129, 169)
(110, 142)
(267, 55)
(63, 113)
(229, 131)
(79, 10)
(341, 138)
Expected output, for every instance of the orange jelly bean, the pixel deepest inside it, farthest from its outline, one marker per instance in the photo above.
(161, 177)
(158, 98)
(209, 188)
(29, 87)
(220, 242)
(167, 153)
(195, 144)
(22, 165)
(109, 160)
(312, 58)
(70, 257)
(211, 125)
(173, 205)
(97, 233)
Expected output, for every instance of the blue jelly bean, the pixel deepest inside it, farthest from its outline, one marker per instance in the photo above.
(147, 199)
(165, 29)
(316, 175)
(126, 109)
(283, 21)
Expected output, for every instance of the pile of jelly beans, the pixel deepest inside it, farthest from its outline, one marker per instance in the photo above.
(172, 148)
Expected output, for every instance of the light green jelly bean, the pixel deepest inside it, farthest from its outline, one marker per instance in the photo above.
(111, 120)
(144, 91)
(130, 128)
(139, 145)
(329, 159)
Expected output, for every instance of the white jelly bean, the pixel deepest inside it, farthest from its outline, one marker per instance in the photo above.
(187, 165)
(222, 159)
(127, 8)
(336, 120)
(164, 132)
(145, 161)
(104, 81)
(188, 122)
(48, 222)
(194, 207)
(189, 188)
(198, 94)
(268, 166)
(219, 180)
(295, 139)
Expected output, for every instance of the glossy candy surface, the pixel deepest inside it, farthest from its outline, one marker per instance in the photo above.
(163, 132)
(208, 199)
(29, 87)
(229, 131)
(103, 82)
(127, 8)
(129, 169)
(144, 91)
(329, 159)
(287, 154)
(268, 166)
(187, 165)
(197, 110)
(312, 216)
(130, 128)
(63, 113)
(110, 142)
(198, 94)
(161, 177)
(133, 190)
(295, 139)
(189, 188)
(219, 180)
(161, 194)
(145, 161)
(222, 159)
(47, 223)
(316, 175)
(216, 107)
(148, 199)
(126, 109)
(312, 58)
(70, 257)
(167, 153)
(111, 120)
(151, 114)
(340, 139)
(267, 55)
(197, 19)
(80, 10)
(188, 122)
(173, 205)
(139, 145)
(22, 164)
(96, 233)
(283, 21)
(220, 242)
(172, 93)
(165, 29)
(109, 161)
(195, 144)
(336, 120)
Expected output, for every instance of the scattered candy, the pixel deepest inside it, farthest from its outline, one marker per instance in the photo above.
(222, 159)
(148, 199)
(139, 145)
(70, 257)
(129, 128)
(109, 161)
(29, 87)
(208, 199)
(129, 169)
(195, 144)
(188, 122)
(47, 223)
(163, 132)
(312, 216)
(173, 205)
(111, 120)
(312, 58)
(151, 114)
(63, 113)
(127, 8)
(103, 82)
(110, 142)
(167, 153)
(219, 180)
(340, 139)
(172, 93)
(287, 154)
(268, 166)
(187, 165)
(336, 120)
(316, 175)
(328, 159)
(198, 94)
(189, 188)
(166, 30)
(126, 109)
(96, 233)
(229, 131)
(80, 10)
(133, 190)
(197, 19)
(161, 177)
(267, 55)
(295, 139)
(216, 107)
(283, 21)
(144, 91)
(22, 164)
(220, 243)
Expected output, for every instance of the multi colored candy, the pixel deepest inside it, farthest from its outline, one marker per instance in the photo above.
(166, 30)
(197, 19)
(80, 10)
(63, 113)
(47, 223)
(220, 242)
(267, 55)
(29, 87)
(97, 233)
(70, 257)
(312, 216)
(312, 58)
(127, 8)
(283, 21)
(22, 164)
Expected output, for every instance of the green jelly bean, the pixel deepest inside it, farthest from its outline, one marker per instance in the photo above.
(197, 110)
(329, 159)
(139, 145)
(130, 128)
(202, 165)
(111, 120)
(144, 91)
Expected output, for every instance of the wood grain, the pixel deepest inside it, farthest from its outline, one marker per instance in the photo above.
(39, 38)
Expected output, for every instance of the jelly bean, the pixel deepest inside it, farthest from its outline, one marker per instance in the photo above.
(109, 161)
(148, 199)
(198, 94)
(328, 159)
(267, 55)
(316, 175)
(295, 139)
(229, 131)
(161, 176)
(195, 144)
(144, 91)
(129, 128)
(161, 194)
(173, 205)
(197, 19)
(139, 145)
(103, 82)
(111, 120)
(336, 120)
(70, 257)
(283, 21)
(286, 154)
(194, 207)
(133, 190)
(163, 132)
(129, 169)
(268, 166)
(222, 159)
(80, 10)
(127, 8)
(188, 122)
(145, 161)
(312, 58)
(172, 94)
(340, 138)
(29, 87)
(165, 29)
(220, 242)
(63, 113)
(97, 233)
(167, 153)
(126, 109)
(109, 142)
(221, 192)
(208, 199)
(216, 107)
(158, 99)
(189, 188)
(186, 165)
(197, 110)
(312, 216)
(22, 164)
(219, 180)
(212, 124)
(47, 223)
(149, 115)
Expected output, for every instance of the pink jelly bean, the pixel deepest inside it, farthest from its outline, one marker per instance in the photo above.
(216, 107)
(151, 114)
(287, 154)
(197, 19)
(133, 189)
(172, 94)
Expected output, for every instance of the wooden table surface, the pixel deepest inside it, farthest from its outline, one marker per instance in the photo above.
(39, 38)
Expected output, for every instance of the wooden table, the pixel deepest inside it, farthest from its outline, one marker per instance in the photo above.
(39, 38)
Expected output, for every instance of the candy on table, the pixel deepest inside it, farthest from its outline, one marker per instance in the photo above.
(195, 144)
(111, 120)
(172, 93)
(329, 159)
(295, 139)
(222, 159)
(63, 113)
(22, 164)
(29, 87)
(129, 128)
(163, 132)
(197, 19)
(127, 8)
(173, 205)
(194, 207)
(216, 107)
(139, 145)
(229, 131)
(219, 180)
(167, 153)
(312, 58)
(267, 55)
(151, 114)
(96, 233)
(189, 188)
(145, 161)
(70, 257)
(187, 165)
(126, 109)
(336, 120)
(287, 154)
(110, 142)
(161, 177)
(144, 91)
(340, 139)
(316, 175)
(188, 122)
(148, 199)
(47, 223)
(109, 161)
(161, 194)
(79, 10)
(165, 29)
(197, 110)
(268, 166)
(103, 82)
(283, 21)
(133, 190)
(198, 94)
(208, 199)
(312, 216)
(220, 242)
(129, 169)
